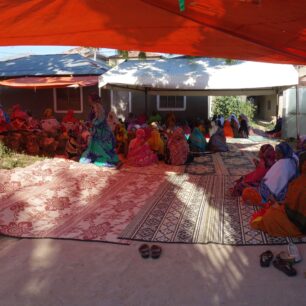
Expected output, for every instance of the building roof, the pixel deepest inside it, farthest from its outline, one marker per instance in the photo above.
(51, 65)
(199, 74)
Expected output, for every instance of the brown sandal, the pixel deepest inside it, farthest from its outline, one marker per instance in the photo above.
(155, 251)
(144, 251)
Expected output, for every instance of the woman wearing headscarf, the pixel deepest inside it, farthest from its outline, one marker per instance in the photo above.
(140, 153)
(217, 141)
(112, 120)
(287, 219)
(197, 142)
(274, 185)
(178, 148)
(227, 128)
(266, 160)
(155, 142)
(101, 148)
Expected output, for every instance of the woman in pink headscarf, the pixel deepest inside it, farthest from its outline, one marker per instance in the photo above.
(178, 148)
(266, 160)
(140, 153)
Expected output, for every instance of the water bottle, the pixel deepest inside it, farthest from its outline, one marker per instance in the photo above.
(294, 252)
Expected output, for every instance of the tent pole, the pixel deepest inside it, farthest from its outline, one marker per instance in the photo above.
(297, 111)
(146, 101)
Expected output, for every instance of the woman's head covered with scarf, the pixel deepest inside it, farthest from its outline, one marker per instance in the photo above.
(267, 153)
(283, 150)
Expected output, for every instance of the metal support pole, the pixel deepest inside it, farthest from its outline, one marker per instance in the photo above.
(146, 101)
(297, 111)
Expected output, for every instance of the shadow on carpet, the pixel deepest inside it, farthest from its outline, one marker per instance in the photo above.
(197, 209)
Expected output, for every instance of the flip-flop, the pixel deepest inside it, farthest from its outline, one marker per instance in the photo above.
(266, 258)
(284, 256)
(144, 251)
(285, 267)
(155, 251)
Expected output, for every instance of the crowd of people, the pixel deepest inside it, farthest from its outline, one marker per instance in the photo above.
(277, 183)
(103, 138)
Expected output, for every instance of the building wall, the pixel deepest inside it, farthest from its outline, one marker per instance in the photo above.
(38, 100)
(266, 107)
(196, 107)
(289, 127)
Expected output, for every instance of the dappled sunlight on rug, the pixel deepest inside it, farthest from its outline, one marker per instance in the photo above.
(64, 199)
(197, 209)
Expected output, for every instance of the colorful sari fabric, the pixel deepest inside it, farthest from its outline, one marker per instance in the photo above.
(140, 153)
(155, 142)
(178, 148)
(289, 219)
(228, 131)
(101, 148)
(197, 141)
(217, 142)
(275, 182)
(253, 179)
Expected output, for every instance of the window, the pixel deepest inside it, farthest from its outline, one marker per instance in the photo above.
(171, 103)
(68, 98)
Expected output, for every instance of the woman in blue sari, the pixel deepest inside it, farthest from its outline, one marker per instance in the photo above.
(197, 141)
(101, 148)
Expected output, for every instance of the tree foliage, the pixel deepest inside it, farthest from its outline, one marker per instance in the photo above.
(142, 55)
(123, 53)
(227, 105)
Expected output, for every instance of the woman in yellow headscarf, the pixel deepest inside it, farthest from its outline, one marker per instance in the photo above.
(155, 142)
(287, 219)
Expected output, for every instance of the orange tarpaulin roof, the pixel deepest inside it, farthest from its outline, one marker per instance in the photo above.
(51, 82)
(261, 30)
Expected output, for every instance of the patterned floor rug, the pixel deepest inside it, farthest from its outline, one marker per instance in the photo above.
(197, 209)
(63, 199)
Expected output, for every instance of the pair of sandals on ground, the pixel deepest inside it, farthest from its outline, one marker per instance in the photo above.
(282, 261)
(146, 251)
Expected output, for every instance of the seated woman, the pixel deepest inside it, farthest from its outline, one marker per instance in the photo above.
(50, 124)
(69, 121)
(18, 118)
(197, 142)
(243, 130)
(101, 148)
(155, 142)
(140, 153)
(227, 128)
(217, 141)
(177, 148)
(266, 156)
(235, 127)
(286, 219)
(274, 185)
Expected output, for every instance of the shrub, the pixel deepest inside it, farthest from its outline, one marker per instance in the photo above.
(227, 105)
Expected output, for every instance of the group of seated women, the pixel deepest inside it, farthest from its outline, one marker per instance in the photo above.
(278, 185)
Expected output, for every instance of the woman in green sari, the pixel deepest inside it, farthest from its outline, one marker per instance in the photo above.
(101, 148)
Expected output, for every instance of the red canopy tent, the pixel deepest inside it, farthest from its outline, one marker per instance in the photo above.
(260, 30)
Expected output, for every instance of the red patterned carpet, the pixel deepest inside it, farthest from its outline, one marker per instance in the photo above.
(58, 198)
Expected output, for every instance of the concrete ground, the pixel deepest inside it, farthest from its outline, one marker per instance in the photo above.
(36, 272)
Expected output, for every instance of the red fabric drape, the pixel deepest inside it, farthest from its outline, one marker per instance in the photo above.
(261, 30)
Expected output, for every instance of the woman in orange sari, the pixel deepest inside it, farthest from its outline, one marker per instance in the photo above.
(286, 219)
(228, 131)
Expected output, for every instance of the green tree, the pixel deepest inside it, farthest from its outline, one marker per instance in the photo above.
(227, 105)
(123, 53)
(142, 55)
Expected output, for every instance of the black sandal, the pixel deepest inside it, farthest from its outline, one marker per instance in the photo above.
(285, 267)
(144, 251)
(266, 258)
(155, 251)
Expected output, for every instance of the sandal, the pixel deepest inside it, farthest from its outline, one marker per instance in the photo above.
(285, 267)
(155, 251)
(144, 251)
(284, 256)
(266, 258)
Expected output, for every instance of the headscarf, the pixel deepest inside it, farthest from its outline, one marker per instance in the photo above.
(285, 149)
(69, 117)
(48, 112)
(268, 154)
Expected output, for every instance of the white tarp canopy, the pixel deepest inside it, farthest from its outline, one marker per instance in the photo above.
(200, 76)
